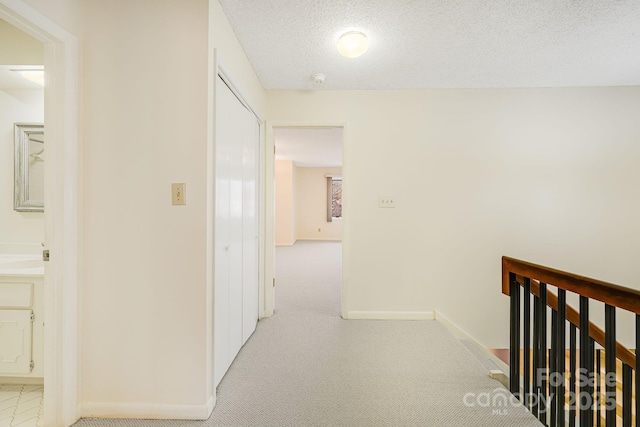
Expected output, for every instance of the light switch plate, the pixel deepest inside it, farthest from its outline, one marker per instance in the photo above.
(178, 194)
(386, 202)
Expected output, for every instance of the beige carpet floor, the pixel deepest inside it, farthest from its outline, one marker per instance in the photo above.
(307, 367)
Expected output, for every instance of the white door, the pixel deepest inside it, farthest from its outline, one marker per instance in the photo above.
(222, 233)
(236, 227)
(236, 127)
(250, 205)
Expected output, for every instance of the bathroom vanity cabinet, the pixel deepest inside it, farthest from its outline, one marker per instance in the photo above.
(21, 327)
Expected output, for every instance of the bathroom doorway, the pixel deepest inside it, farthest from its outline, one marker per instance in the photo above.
(62, 223)
(22, 227)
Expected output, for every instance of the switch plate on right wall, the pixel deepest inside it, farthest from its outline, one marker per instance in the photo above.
(178, 194)
(386, 202)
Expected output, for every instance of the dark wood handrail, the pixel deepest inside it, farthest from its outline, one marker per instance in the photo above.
(608, 293)
(574, 283)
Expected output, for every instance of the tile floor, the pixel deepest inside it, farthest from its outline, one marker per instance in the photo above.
(21, 405)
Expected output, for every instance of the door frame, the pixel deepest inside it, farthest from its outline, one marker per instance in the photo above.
(62, 213)
(270, 279)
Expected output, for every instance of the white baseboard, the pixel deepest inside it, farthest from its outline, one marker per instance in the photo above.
(390, 315)
(461, 334)
(147, 411)
(211, 403)
(500, 376)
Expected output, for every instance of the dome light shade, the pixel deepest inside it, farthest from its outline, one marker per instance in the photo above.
(353, 44)
(34, 74)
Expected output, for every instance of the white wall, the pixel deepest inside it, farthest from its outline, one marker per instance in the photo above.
(311, 205)
(17, 227)
(545, 175)
(285, 176)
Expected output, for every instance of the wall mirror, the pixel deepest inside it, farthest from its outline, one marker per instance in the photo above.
(29, 167)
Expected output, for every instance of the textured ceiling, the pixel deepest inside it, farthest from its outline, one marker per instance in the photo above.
(309, 147)
(441, 43)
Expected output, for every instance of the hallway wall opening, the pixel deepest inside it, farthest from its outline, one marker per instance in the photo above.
(308, 188)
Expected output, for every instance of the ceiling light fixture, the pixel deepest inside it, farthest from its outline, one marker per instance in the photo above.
(35, 75)
(353, 44)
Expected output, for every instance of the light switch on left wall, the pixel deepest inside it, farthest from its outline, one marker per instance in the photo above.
(178, 194)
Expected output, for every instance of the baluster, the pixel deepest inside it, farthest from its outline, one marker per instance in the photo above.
(553, 369)
(514, 345)
(527, 343)
(543, 371)
(536, 355)
(627, 378)
(637, 375)
(586, 367)
(572, 376)
(598, 398)
(591, 349)
(561, 345)
(610, 363)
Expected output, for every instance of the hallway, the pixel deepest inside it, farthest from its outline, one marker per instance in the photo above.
(305, 366)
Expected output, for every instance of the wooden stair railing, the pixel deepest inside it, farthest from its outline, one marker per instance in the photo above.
(550, 379)
(622, 352)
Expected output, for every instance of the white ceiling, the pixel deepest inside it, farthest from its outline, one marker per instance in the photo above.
(441, 43)
(309, 147)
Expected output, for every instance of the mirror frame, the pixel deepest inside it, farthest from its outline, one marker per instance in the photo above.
(22, 202)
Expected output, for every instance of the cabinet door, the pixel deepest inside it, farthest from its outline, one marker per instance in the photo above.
(15, 341)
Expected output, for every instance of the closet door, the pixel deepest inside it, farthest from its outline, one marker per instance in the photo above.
(236, 266)
(223, 155)
(250, 205)
(236, 228)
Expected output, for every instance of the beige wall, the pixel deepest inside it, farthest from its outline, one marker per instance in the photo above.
(546, 175)
(19, 48)
(145, 121)
(285, 232)
(301, 204)
(25, 106)
(311, 205)
(65, 13)
(144, 124)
